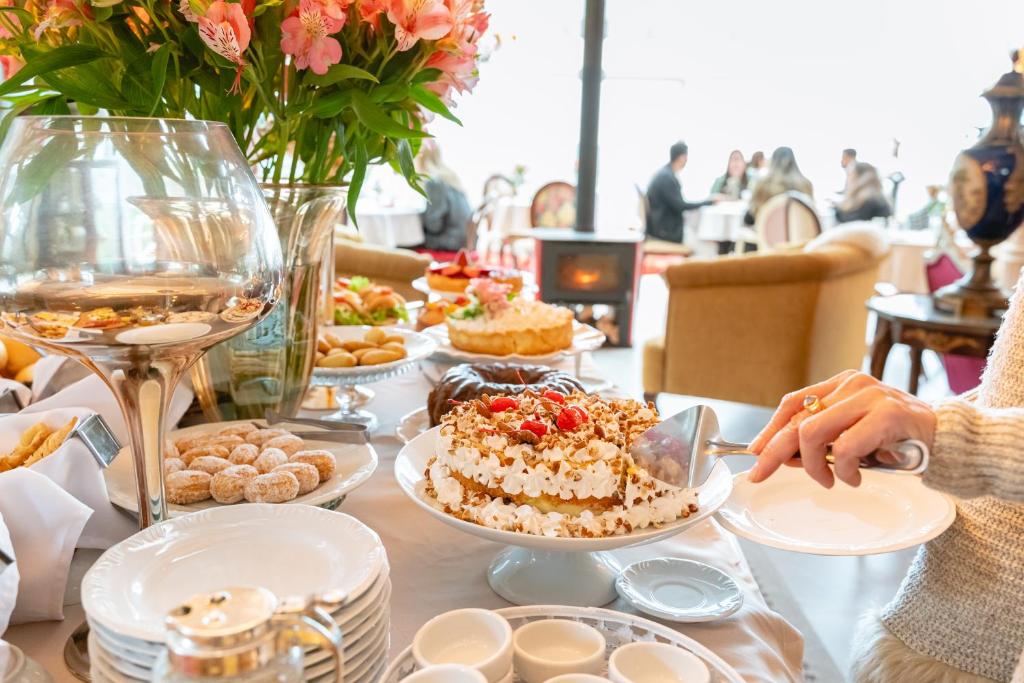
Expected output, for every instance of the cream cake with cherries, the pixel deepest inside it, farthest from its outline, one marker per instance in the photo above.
(550, 464)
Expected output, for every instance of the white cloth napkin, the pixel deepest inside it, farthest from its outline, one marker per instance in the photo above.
(44, 522)
(8, 582)
(94, 394)
(23, 392)
(73, 468)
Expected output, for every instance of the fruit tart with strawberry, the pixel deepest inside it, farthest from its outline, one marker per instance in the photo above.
(456, 275)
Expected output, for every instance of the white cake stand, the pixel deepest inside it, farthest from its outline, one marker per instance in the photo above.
(352, 396)
(543, 570)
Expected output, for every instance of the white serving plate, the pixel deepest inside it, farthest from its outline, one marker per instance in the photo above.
(679, 590)
(289, 549)
(412, 425)
(355, 464)
(584, 338)
(417, 345)
(617, 628)
(529, 289)
(412, 462)
(791, 511)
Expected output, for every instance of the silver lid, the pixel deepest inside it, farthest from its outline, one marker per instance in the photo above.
(222, 633)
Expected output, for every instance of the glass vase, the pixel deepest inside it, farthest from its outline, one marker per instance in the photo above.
(269, 367)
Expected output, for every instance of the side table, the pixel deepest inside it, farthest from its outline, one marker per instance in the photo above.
(912, 320)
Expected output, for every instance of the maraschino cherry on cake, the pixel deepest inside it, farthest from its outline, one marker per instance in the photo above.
(456, 275)
(550, 464)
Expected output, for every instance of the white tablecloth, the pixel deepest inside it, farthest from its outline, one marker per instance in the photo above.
(721, 222)
(435, 568)
(391, 226)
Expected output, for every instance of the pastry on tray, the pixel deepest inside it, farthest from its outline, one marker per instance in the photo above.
(550, 464)
(497, 324)
(358, 301)
(243, 462)
(467, 382)
(456, 275)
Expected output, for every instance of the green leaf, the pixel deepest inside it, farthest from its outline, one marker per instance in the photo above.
(429, 100)
(102, 12)
(329, 106)
(60, 58)
(427, 76)
(83, 88)
(392, 92)
(377, 120)
(358, 176)
(406, 165)
(34, 176)
(337, 73)
(158, 72)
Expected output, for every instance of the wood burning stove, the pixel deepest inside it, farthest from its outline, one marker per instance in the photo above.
(594, 274)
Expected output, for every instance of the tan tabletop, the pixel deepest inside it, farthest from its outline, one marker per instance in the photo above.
(435, 568)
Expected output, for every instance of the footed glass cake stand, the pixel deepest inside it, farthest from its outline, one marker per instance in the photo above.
(351, 395)
(544, 570)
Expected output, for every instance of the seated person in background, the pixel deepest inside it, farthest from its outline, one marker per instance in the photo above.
(448, 212)
(756, 167)
(863, 199)
(734, 181)
(783, 175)
(665, 198)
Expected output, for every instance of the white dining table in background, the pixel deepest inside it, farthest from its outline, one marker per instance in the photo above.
(400, 225)
(721, 222)
(435, 568)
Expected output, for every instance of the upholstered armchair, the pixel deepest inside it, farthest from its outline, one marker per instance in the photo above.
(396, 268)
(752, 327)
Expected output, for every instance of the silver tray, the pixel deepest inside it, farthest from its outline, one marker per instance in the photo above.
(618, 628)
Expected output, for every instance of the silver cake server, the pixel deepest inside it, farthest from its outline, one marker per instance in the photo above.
(682, 450)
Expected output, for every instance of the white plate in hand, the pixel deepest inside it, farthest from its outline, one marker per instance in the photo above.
(791, 511)
(355, 464)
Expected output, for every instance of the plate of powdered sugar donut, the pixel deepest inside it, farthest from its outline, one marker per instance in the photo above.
(246, 461)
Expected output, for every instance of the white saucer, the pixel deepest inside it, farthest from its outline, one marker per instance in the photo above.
(679, 590)
(412, 425)
(791, 511)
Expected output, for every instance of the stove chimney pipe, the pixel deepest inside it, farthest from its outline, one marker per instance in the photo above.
(590, 106)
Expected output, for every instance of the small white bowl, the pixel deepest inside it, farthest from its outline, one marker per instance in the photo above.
(656, 663)
(552, 647)
(447, 673)
(477, 638)
(577, 678)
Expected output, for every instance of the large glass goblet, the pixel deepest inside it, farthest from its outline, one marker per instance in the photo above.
(132, 245)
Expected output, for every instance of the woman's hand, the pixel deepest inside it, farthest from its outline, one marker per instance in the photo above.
(860, 414)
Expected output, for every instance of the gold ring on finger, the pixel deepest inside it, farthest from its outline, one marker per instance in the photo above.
(813, 404)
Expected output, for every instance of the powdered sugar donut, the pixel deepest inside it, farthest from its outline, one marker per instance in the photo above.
(269, 459)
(307, 475)
(228, 485)
(273, 487)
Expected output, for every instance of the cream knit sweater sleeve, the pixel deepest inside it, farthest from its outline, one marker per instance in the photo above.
(979, 437)
(978, 451)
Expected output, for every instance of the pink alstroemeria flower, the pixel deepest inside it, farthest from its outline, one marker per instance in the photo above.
(225, 30)
(306, 35)
(416, 19)
(336, 9)
(185, 7)
(370, 11)
(9, 18)
(10, 65)
(61, 14)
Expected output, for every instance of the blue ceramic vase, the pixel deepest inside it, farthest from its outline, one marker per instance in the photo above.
(987, 191)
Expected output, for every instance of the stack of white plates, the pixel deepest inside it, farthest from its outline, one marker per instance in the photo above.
(293, 550)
